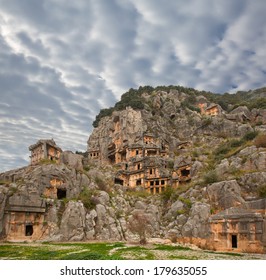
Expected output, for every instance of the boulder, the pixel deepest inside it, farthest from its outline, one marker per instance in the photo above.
(225, 194)
(197, 223)
(73, 221)
(72, 160)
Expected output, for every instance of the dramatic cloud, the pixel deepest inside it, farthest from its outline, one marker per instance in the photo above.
(62, 61)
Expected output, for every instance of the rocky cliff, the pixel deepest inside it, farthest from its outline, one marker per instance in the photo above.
(178, 159)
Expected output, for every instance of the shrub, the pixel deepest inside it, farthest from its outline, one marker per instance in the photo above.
(250, 135)
(87, 198)
(260, 141)
(186, 201)
(101, 184)
(262, 191)
(236, 143)
(222, 150)
(167, 194)
(211, 177)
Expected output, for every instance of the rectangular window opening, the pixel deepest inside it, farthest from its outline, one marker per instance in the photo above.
(234, 241)
(29, 230)
(61, 193)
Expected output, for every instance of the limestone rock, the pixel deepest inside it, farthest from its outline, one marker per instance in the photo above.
(73, 221)
(225, 194)
(3, 197)
(197, 224)
(72, 160)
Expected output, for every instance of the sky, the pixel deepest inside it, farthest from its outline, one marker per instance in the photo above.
(62, 61)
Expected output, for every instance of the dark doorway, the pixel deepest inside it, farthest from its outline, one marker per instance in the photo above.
(61, 193)
(111, 158)
(138, 182)
(119, 181)
(234, 241)
(29, 230)
(185, 172)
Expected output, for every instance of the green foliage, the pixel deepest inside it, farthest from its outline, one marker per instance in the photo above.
(171, 248)
(231, 147)
(211, 177)
(186, 201)
(47, 161)
(4, 182)
(167, 194)
(105, 251)
(257, 103)
(181, 212)
(100, 183)
(87, 198)
(103, 113)
(262, 191)
(251, 99)
(250, 136)
(137, 193)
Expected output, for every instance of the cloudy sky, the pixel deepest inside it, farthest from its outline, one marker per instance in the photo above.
(62, 61)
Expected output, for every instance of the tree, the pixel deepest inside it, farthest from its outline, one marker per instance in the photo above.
(140, 224)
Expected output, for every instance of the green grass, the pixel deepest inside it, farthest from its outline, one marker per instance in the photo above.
(105, 251)
(171, 248)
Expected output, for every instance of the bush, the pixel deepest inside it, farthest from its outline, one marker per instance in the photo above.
(260, 141)
(250, 135)
(211, 177)
(87, 198)
(186, 201)
(262, 191)
(236, 143)
(167, 194)
(101, 184)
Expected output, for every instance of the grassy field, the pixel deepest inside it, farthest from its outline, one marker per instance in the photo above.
(110, 251)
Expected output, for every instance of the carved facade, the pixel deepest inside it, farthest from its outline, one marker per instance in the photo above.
(209, 110)
(44, 149)
(143, 163)
(240, 230)
(24, 218)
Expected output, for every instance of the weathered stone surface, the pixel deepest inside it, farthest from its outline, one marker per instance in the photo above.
(103, 198)
(73, 221)
(3, 197)
(175, 207)
(225, 194)
(197, 224)
(223, 167)
(91, 218)
(251, 183)
(72, 160)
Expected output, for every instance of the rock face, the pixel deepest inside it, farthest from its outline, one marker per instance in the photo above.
(225, 194)
(195, 176)
(197, 224)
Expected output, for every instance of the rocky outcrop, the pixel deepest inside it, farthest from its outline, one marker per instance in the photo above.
(72, 160)
(225, 194)
(197, 223)
(168, 147)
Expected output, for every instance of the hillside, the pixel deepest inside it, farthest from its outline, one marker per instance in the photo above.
(185, 165)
